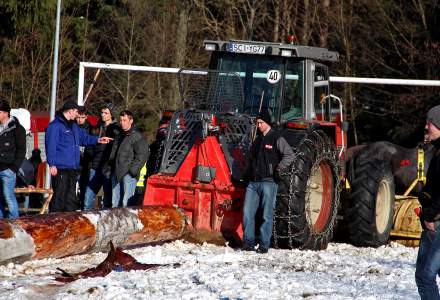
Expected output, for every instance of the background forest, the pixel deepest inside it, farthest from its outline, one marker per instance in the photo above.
(375, 38)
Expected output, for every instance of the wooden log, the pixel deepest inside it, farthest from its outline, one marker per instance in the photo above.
(62, 234)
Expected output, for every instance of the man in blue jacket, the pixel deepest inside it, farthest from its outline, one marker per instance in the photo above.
(63, 141)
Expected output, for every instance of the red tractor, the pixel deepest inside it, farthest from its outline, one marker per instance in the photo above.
(206, 149)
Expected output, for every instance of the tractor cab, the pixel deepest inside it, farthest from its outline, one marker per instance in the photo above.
(283, 79)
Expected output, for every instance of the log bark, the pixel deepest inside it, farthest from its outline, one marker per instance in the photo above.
(62, 234)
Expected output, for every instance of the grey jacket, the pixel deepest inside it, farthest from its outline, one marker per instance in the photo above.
(129, 154)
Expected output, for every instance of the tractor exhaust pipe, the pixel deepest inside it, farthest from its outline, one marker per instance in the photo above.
(62, 234)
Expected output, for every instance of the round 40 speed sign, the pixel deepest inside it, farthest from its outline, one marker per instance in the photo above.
(273, 76)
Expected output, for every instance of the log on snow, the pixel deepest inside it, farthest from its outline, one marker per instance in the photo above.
(62, 234)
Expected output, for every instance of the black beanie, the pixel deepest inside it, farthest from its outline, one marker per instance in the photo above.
(265, 116)
(434, 116)
(109, 105)
(4, 106)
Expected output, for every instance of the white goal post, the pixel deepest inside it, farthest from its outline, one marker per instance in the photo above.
(390, 81)
(83, 65)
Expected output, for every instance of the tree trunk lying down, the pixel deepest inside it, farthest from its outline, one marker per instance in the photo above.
(62, 234)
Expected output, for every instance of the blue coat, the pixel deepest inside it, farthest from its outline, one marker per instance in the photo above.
(63, 142)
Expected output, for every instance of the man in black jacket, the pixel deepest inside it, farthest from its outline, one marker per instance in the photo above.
(129, 154)
(12, 153)
(270, 153)
(99, 155)
(428, 259)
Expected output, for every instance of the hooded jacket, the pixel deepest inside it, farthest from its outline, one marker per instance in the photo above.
(63, 139)
(12, 146)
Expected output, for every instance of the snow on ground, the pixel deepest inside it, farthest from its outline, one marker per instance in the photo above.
(212, 272)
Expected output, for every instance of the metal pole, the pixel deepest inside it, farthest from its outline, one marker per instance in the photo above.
(53, 97)
(81, 84)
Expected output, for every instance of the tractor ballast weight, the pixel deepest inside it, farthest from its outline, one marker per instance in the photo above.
(207, 145)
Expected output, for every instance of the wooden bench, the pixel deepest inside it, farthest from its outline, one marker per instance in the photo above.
(45, 205)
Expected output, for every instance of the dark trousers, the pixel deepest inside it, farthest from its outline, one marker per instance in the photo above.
(64, 191)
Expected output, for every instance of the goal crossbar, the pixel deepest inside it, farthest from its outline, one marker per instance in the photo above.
(365, 80)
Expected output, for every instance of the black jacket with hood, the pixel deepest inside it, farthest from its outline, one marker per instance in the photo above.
(12, 145)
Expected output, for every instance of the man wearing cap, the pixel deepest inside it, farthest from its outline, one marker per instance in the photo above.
(100, 154)
(270, 153)
(63, 141)
(428, 259)
(12, 153)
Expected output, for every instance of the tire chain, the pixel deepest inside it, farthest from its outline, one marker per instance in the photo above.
(326, 155)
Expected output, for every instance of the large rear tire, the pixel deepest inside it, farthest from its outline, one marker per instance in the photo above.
(308, 196)
(370, 210)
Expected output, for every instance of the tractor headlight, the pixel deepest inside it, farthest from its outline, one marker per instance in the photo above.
(286, 52)
(210, 47)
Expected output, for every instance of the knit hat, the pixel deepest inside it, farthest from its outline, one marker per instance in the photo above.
(434, 116)
(109, 105)
(70, 105)
(4, 106)
(265, 116)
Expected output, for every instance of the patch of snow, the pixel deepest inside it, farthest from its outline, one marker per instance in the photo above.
(212, 272)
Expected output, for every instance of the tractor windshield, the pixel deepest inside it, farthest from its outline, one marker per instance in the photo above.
(269, 83)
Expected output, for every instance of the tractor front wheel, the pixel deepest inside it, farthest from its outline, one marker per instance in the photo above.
(308, 196)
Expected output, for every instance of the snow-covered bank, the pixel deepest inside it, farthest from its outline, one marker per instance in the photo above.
(212, 272)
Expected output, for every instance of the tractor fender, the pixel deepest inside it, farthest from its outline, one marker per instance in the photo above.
(403, 161)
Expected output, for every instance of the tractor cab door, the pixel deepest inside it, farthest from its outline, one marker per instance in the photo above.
(321, 92)
(293, 91)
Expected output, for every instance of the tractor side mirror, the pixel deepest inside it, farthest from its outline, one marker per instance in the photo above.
(344, 126)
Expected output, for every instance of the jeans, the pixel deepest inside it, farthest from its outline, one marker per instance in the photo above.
(8, 178)
(127, 189)
(96, 181)
(259, 194)
(428, 264)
